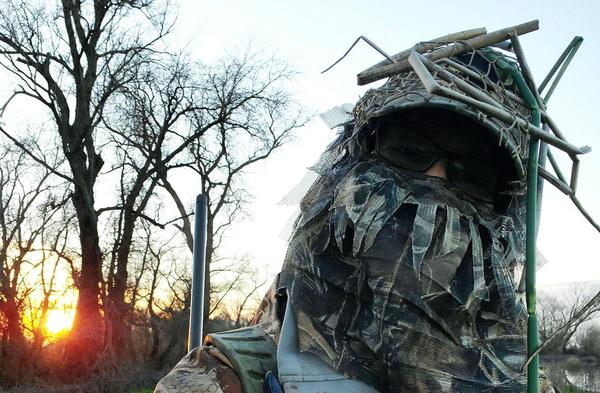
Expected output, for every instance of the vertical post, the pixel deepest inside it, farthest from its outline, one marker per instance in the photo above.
(540, 184)
(199, 260)
(533, 368)
(530, 267)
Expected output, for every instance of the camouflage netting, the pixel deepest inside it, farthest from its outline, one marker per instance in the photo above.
(405, 92)
(396, 278)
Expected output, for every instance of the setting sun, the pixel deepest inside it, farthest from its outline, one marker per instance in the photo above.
(59, 321)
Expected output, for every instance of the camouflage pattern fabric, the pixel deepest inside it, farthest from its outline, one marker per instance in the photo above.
(203, 370)
(207, 370)
(398, 282)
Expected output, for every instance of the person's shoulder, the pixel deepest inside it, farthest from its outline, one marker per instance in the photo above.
(203, 370)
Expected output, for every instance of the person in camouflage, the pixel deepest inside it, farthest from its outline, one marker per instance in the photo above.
(401, 268)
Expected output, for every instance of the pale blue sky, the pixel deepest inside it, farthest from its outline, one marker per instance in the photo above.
(311, 35)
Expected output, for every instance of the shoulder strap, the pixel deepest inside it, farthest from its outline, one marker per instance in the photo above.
(251, 352)
(305, 372)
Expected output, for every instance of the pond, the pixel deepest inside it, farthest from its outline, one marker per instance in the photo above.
(581, 373)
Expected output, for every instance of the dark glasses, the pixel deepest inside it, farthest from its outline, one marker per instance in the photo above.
(466, 171)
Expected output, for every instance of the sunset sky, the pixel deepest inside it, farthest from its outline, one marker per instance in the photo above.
(312, 35)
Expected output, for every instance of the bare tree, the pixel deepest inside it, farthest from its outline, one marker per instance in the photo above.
(146, 133)
(94, 68)
(248, 299)
(17, 200)
(236, 283)
(72, 59)
(155, 253)
(171, 313)
(27, 209)
(255, 116)
(589, 340)
(53, 240)
(212, 122)
(560, 317)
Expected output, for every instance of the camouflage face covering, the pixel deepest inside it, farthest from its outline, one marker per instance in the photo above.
(399, 283)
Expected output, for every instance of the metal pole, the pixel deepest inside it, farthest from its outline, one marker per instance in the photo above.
(199, 258)
(563, 62)
(531, 234)
(540, 191)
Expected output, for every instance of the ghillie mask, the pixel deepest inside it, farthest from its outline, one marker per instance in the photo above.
(399, 279)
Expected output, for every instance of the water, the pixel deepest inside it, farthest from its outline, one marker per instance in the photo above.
(574, 372)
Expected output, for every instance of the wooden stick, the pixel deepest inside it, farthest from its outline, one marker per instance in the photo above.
(559, 62)
(552, 125)
(425, 46)
(562, 187)
(433, 87)
(474, 75)
(461, 84)
(574, 174)
(556, 168)
(452, 50)
(563, 68)
(518, 49)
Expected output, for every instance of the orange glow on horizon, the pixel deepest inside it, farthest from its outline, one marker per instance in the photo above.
(59, 322)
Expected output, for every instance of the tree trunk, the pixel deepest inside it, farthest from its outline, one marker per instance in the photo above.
(85, 341)
(13, 322)
(118, 309)
(155, 344)
(38, 334)
(14, 347)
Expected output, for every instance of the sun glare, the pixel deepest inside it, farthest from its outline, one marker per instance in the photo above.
(59, 321)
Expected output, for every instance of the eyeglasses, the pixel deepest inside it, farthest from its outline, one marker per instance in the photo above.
(467, 170)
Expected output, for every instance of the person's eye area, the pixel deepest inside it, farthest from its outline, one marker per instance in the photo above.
(476, 178)
(406, 149)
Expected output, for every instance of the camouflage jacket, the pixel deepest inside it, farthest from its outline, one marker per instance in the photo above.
(203, 370)
(206, 370)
